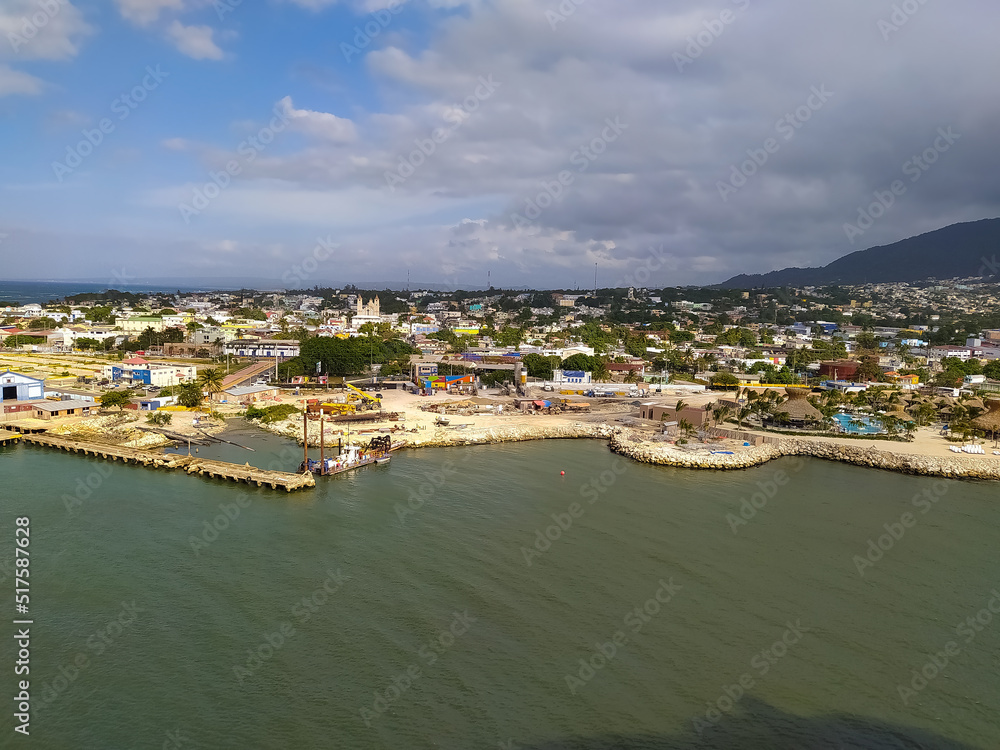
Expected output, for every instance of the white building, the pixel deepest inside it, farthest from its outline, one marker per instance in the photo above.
(263, 348)
(138, 371)
(17, 387)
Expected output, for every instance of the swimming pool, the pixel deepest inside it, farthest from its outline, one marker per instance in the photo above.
(869, 426)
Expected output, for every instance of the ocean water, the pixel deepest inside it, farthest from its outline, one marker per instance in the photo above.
(475, 598)
(38, 292)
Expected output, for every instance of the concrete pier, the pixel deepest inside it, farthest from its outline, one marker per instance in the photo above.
(192, 465)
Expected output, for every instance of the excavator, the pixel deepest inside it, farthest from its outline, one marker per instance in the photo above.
(363, 401)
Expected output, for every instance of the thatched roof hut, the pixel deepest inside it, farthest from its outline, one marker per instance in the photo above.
(990, 421)
(798, 407)
(900, 413)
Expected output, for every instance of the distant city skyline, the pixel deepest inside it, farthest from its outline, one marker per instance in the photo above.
(316, 142)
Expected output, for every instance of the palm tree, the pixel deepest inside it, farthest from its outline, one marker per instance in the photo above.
(211, 380)
(742, 415)
(721, 413)
(601, 373)
(679, 406)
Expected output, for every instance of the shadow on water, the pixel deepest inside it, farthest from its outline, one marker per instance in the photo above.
(763, 727)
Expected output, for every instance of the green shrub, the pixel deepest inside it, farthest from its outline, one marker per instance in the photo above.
(160, 418)
(270, 414)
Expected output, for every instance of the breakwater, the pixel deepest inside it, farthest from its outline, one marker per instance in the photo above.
(631, 444)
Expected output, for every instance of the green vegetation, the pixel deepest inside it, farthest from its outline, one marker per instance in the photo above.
(160, 418)
(121, 399)
(189, 395)
(725, 381)
(271, 414)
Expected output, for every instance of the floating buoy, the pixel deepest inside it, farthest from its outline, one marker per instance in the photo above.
(562, 473)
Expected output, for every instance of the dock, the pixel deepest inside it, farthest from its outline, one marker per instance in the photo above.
(192, 465)
(4, 439)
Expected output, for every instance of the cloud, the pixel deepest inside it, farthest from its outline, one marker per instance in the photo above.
(698, 93)
(15, 82)
(145, 12)
(194, 41)
(321, 125)
(34, 31)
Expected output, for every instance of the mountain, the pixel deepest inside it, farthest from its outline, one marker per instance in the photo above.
(957, 251)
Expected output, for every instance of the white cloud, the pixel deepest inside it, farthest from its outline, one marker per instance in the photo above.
(319, 124)
(145, 12)
(194, 41)
(15, 82)
(33, 31)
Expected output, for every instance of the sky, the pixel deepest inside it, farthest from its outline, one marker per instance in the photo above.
(528, 143)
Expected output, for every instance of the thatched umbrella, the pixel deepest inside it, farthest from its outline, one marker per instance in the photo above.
(990, 421)
(798, 407)
(900, 413)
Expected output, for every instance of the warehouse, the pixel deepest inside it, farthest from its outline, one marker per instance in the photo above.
(17, 387)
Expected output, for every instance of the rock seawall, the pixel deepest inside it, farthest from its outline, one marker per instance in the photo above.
(630, 444)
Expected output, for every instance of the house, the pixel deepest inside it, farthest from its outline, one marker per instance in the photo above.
(249, 394)
(55, 409)
(136, 325)
(698, 416)
(18, 387)
(575, 377)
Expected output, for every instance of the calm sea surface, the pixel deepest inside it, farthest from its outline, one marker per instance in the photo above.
(27, 292)
(359, 616)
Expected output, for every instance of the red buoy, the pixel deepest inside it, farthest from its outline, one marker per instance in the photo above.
(562, 473)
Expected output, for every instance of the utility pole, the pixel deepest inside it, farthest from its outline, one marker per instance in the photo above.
(595, 279)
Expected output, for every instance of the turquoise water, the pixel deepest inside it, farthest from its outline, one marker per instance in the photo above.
(428, 621)
(869, 427)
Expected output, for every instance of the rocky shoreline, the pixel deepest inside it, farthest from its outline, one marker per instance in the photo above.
(628, 443)
(639, 447)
